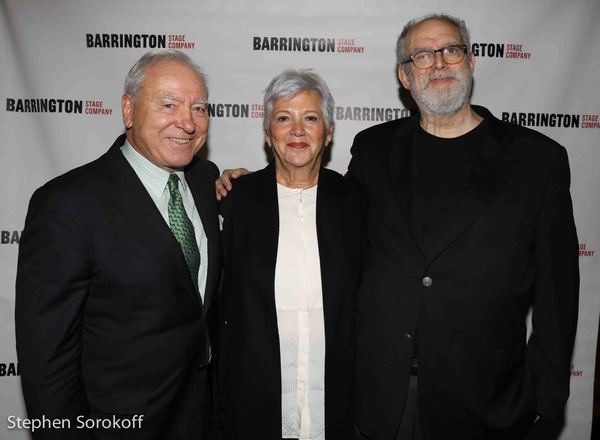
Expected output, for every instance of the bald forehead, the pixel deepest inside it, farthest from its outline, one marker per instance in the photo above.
(437, 23)
(432, 31)
(162, 68)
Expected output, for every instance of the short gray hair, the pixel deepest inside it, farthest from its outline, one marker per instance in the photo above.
(401, 51)
(290, 83)
(135, 77)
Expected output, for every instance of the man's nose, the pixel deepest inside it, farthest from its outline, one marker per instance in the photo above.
(438, 61)
(185, 121)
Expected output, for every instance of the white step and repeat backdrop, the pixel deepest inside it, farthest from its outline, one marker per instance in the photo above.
(62, 65)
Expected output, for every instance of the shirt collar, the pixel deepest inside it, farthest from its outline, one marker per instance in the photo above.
(152, 176)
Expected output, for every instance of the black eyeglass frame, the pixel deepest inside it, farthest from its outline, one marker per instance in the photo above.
(434, 51)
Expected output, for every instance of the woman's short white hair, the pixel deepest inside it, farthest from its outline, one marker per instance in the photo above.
(290, 83)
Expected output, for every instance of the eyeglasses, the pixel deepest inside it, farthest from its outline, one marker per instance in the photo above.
(424, 59)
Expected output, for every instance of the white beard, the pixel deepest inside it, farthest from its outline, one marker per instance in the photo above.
(443, 102)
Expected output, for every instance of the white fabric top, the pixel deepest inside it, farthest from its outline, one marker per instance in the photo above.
(155, 181)
(299, 303)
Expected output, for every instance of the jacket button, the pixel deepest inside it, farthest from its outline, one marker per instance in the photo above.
(427, 281)
(407, 337)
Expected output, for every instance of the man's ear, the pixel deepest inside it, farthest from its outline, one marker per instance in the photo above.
(403, 77)
(471, 61)
(127, 109)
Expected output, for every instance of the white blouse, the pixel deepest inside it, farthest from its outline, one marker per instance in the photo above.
(299, 303)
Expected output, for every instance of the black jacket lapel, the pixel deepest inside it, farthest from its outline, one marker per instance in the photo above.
(203, 191)
(329, 236)
(133, 201)
(402, 169)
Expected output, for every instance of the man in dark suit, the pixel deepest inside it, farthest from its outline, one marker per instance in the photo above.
(469, 224)
(117, 266)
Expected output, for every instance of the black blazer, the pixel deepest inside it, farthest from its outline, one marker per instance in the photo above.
(107, 318)
(250, 373)
(509, 244)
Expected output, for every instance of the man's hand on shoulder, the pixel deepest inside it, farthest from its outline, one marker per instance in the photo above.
(224, 183)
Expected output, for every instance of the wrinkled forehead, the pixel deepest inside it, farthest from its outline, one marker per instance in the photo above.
(432, 33)
(177, 74)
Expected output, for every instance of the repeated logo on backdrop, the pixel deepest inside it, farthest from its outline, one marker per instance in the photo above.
(9, 369)
(342, 113)
(519, 51)
(585, 250)
(575, 372)
(44, 105)
(370, 114)
(88, 107)
(563, 120)
(10, 237)
(135, 41)
(501, 50)
(344, 45)
(228, 110)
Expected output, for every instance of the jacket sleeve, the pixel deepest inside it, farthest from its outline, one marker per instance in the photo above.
(53, 275)
(354, 173)
(555, 303)
(226, 212)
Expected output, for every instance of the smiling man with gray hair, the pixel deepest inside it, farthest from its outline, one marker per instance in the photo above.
(117, 265)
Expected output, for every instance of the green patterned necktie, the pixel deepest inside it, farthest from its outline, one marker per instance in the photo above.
(182, 228)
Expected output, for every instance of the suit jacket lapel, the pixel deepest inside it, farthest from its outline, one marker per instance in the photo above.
(133, 201)
(202, 189)
(491, 168)
(329, 241)
(402, 169)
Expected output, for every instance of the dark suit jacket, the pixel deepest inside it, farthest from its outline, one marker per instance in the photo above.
(107, 318)
(509, 244)
(250, 363)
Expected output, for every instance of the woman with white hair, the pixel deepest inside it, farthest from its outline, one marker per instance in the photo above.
(291, 240)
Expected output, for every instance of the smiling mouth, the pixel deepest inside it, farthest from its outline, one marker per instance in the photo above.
(297, 144)
(181, 141)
